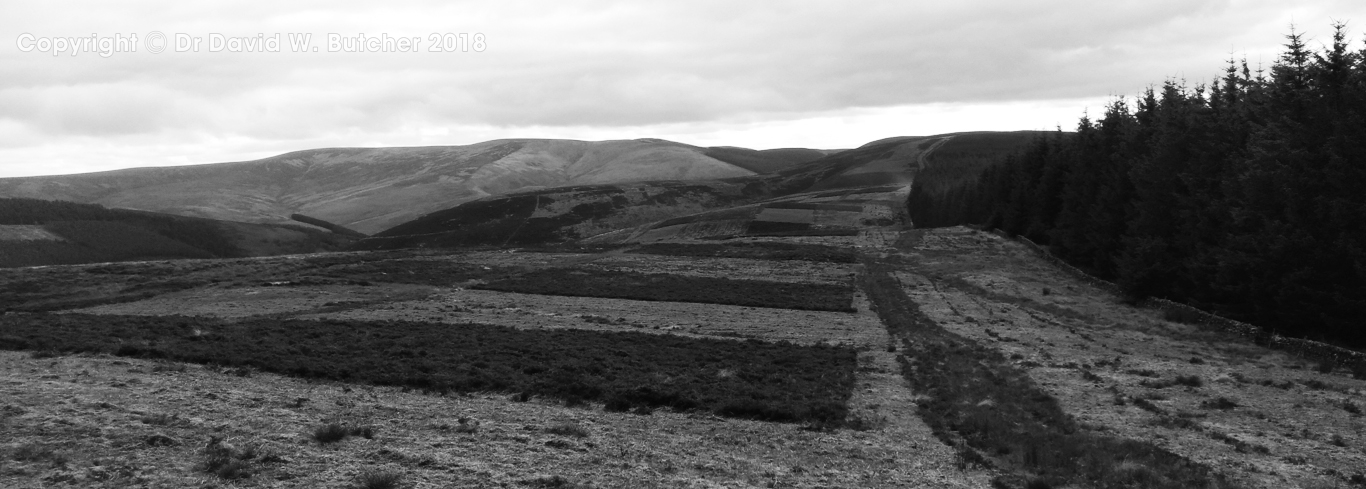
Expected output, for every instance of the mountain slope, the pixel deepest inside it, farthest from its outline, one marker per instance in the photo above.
(765, 161)
(572, 213)
(566, 214)
(42, 232)
(371, 189)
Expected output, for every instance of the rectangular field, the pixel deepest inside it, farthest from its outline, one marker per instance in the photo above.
(744, 379)
(676, 288)
(753, 250)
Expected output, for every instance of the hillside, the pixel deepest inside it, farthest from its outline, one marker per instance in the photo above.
(42, 232)
(765, 161)
(571, 213)
(946, 358)
(372, 189)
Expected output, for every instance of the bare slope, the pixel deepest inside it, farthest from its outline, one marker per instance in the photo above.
(371, 189)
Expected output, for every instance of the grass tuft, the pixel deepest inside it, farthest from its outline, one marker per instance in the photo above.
(381, 479)
(330, 433)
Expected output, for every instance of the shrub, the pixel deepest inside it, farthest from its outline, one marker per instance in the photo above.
(1220, 403)
(365, 432)
(466, 426)
(381, 479)
(1189, 380)
(227, 467)
(551, 482)
(227, 462)
(330, 433)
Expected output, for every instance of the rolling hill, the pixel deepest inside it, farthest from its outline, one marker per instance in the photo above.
(372, 189)
(572, 213)
(43, 232)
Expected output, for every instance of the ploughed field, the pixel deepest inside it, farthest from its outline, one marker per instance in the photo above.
(922, 358)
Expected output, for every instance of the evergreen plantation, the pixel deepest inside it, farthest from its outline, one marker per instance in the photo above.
(1246, 197)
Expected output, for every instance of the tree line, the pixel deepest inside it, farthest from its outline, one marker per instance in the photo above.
(1245, 196)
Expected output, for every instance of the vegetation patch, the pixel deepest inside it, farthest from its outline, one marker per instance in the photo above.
(777, 228)
(974, 394)
(679, 288)
(753, 250)
(767, 381)
(396, 269)
(815, 206)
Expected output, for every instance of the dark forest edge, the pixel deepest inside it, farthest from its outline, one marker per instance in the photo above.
(1242, 197)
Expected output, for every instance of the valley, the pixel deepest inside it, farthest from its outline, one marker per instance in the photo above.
(788, 328)
(1254, 417)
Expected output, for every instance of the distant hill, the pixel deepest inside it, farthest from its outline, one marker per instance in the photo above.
(572, 213)
(41, 232)
(765, 161)
(372, 189)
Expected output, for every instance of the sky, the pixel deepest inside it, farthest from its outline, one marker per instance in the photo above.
(209, 82)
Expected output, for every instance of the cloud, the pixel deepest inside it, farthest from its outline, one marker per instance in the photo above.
(601, 68)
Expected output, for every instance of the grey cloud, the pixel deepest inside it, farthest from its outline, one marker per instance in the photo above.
(607, 64)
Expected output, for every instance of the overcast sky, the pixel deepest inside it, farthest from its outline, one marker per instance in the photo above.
(756, 74)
